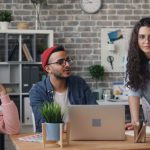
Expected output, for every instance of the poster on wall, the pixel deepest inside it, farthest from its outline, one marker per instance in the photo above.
(114, 46)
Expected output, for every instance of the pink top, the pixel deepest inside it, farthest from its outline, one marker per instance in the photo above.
(9, 118)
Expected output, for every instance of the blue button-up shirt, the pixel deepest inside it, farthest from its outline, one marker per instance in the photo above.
(79, 93)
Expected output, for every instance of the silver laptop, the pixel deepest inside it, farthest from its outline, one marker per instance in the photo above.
(97, 122)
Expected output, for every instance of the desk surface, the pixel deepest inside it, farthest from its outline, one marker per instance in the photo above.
(83, 145)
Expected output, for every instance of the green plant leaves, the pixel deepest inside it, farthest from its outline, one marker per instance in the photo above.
(5, 15)
(52, 112)
(96, 71)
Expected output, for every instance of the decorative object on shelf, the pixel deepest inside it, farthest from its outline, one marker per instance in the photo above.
(5, 18)
(53, 130)
(22, 25)
(9, 90)
(91, 6)
(37, 4)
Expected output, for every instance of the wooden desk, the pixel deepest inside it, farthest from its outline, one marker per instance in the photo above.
(83, 145)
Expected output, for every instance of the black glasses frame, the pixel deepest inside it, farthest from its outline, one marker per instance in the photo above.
(62, 61)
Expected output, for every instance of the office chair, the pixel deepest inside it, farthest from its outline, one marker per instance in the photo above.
(33, 122)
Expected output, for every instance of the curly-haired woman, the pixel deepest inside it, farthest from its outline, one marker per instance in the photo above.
(138, 68)
(9, 118)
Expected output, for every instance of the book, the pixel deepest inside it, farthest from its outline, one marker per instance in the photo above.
(32, 138)
(27, 52)
(30, 75)
(13, 51)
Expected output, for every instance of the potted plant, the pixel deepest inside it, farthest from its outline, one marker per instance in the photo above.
(5, 18)
(53, 116)
(97, 73)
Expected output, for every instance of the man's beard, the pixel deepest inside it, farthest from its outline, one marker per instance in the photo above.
(60, 77)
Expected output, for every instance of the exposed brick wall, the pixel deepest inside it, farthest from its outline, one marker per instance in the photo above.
(78, 31)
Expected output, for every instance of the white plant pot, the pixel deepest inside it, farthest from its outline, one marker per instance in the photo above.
(4, 25)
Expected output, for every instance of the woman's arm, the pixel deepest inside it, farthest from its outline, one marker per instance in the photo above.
(134, 104)
(9, 118)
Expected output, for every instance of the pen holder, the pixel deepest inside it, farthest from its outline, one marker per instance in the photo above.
(140, 133)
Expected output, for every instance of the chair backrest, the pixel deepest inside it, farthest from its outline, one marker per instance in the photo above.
(146, 110)
(33, 122)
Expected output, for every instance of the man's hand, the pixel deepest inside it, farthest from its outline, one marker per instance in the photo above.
(2, 90)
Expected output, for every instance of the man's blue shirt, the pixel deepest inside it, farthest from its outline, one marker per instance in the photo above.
(79, 93)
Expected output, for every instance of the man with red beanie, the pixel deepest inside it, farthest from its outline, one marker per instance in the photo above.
(59, 86)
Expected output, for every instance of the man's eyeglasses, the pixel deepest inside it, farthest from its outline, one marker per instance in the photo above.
(63, 61)
(143, 37)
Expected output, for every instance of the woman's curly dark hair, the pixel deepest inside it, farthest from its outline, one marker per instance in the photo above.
(137, 72)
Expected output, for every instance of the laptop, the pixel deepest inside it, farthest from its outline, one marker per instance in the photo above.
(97, 122)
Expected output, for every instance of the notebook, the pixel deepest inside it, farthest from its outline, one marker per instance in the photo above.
(97, 122)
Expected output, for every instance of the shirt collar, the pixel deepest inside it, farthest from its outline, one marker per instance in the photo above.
(49, 86)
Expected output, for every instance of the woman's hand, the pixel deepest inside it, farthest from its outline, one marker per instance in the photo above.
(129, 126)
(2, 90)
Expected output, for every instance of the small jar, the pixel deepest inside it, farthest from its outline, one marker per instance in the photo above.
(107, 94)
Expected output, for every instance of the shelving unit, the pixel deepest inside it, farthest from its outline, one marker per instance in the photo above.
(19, 71)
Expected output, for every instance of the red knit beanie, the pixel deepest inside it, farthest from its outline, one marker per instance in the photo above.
(47, 53)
